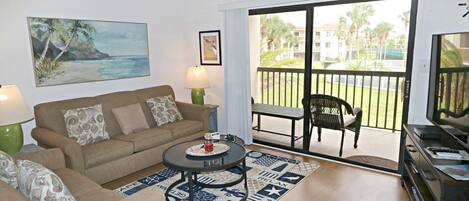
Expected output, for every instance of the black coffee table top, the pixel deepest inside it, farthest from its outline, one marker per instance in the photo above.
(176, 158)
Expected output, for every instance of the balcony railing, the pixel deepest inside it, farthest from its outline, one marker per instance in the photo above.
(378, 93)
(454, 89)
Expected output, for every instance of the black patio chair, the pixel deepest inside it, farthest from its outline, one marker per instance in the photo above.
(327, 112)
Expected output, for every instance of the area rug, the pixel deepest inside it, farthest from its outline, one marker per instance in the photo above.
(269, 178)
(374, 160)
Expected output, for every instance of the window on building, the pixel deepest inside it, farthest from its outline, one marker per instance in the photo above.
(328, 44)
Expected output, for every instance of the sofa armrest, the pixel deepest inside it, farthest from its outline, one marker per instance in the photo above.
(8, 193)
(73, 154)
(195, 112)
(52, 159)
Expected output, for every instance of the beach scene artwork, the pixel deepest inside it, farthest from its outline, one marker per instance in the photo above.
(69, 51)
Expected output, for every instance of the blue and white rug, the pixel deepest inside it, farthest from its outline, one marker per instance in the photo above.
(269, 178)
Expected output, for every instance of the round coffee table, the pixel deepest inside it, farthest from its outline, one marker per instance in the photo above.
(175, 158)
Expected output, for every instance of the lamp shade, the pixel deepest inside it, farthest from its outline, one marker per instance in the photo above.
(197, 78)
(13, 109)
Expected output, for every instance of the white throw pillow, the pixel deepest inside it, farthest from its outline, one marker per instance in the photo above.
(86, 125)
(38, 183)
(8, 170)
(164, 110)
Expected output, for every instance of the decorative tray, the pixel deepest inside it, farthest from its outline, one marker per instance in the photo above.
(199, 151)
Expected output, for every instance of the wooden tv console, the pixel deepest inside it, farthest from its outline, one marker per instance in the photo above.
(423, 181)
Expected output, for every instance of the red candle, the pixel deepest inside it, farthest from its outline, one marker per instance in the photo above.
(208, 146)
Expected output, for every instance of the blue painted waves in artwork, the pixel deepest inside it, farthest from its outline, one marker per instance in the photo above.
(124, 67)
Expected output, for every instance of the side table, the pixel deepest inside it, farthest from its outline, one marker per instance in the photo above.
(213, 118)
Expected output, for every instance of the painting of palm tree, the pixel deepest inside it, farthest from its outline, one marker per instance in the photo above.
(73, 51)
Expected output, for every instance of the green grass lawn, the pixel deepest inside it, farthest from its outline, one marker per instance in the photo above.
(290, 94)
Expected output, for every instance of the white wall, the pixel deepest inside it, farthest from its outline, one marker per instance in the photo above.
(173, 42)
(434, 16)
(166, 43)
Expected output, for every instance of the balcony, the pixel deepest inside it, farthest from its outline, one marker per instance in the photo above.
(378, 93)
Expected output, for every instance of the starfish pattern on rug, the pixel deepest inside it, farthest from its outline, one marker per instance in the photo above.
(269, 178)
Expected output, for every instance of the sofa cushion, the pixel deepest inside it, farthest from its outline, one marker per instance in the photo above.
(146, 139)
(184, 127)
(101, 195)
(39, 183)
(106, 151)
(164, 110)
(8, 193)
(8, 170)
(144, 94)
(130, 118)
(77, 184)
(50, 115)
(86, 125)
(115, 100)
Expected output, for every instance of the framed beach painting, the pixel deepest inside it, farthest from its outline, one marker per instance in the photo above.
(210, 47)
(69, 51)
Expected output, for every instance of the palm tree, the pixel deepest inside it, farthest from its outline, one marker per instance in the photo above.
(359, 18)
(405, 18)
(274, 30)
(45, 27)
(71, 30)
(451, 57)
(370, 35)
(382, 31)
(344, 33)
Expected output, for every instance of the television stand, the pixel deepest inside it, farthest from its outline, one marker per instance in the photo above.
(420, 178)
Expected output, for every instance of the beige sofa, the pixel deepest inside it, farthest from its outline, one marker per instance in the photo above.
(122, 154)
(81, 187)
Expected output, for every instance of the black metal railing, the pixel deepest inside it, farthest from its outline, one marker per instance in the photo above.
(454, 89)
(378, 93)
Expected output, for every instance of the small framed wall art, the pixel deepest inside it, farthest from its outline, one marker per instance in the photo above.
(210, 47)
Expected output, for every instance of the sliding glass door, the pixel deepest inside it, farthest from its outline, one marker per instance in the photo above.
(356, 51)
(278, 40)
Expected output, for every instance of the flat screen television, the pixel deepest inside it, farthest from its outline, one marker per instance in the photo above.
(448, 98)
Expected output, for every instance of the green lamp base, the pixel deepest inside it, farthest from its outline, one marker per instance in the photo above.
(197, 96)
(11, 138)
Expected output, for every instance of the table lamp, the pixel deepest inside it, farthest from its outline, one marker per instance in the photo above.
(197, 80)
(13, 112)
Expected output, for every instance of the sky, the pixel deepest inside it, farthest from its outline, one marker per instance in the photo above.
(120, 39)
(387, 10)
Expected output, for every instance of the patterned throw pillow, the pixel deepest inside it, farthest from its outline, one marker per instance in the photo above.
(8, 170)
(86, 125)
(164, 110)
(39, 183)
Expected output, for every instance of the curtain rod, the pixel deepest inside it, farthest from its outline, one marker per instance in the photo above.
(250, 4)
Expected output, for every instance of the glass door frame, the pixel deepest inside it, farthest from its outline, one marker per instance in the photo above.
(309, 8)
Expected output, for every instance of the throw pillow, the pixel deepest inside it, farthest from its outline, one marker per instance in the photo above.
(130, 118)
(8, 170)
(164, 110)
(86, 125)
(39, 183)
